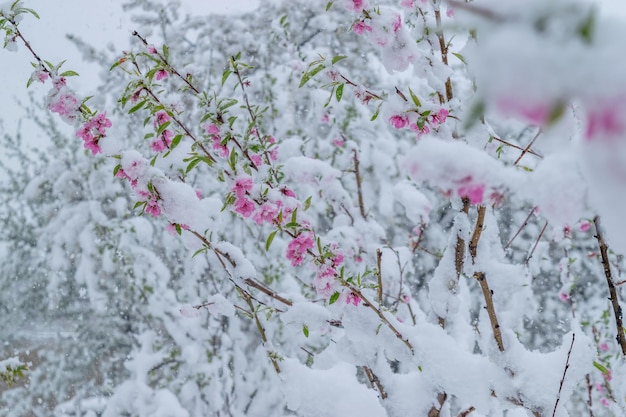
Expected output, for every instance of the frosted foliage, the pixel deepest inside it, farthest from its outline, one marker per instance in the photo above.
(371, 208)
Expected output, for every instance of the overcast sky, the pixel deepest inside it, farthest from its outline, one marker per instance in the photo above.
(97, 22)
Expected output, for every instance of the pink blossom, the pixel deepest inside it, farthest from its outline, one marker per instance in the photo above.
(409, 4)
(399, 121)
(352, 298)
(397, 24)
(66, 105)
(151, 49)
(199, 194)
(171, 228)
(242, 185)
(163, 142)
(161, 74)
(39, 75)
(244, 207)
(567, 230)
(357, 5)
(599, 387)
(564, 297)
(360, 27)
(222, 149)
(274, 154)
(152, 207)
(325, 118)
(439, 117)
(256, 160)
(324, 279)
(472, 191)
(584, 226)
(333, 74)
(212, 129)
(604, 346)
(406, 298)
(161, 118)
(266, 213)
(605, 402)
(298, 247)
(338, 142)
(450, 12)
(287, 192)
(362, 95)
(609, 375)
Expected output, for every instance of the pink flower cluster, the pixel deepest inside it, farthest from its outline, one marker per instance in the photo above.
(474, 191)
(410, 120)
(152, 202)
(298, 247)
(63, 101)
(214, 134)
(93, 130)
(325, 277)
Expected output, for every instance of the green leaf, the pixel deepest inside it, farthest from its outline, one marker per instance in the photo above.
(601, 368)
(192, 164)
(225, 75)
(116, 169)
(460, 57)
(329, 5)
(375, 115)
(339, 92)
(175, 141)
(179, 230)
(31, 11)
(139, 204)
(166, 52)
(416, 100)
(338, 58)
(310, 74)
(333, 298)
(137, 107)
(69, 73)
(305, 330)
(307, 203)
(269, 240)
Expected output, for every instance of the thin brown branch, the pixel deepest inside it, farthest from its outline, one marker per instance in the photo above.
(183, 127)
(444, 52)
(167, 64)
(530, 255)
(512, 145)
(358, 184)
(434, 411)
(558, 395)
(260, 327)
(380, 315)
(480, 222)
(520, 228)
(459, 251)
(617, 309)
(491, 311)
(267, 291)
(375, 382)
(379, 275)
(476, 10)
(467, 412)
(527, 148)
(589, 392)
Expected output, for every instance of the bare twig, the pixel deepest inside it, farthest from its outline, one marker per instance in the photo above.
(495, 326)
(530, 255)
(459, 251)
(444, 51)
(480, 222)
(379, 276)
(520, 228)
(380, 315)
(617, 310)
(527, 148)
(558, 395)
(267, 291)
(467, 412)
(358, 184)
(530, 151)
(589, 391)
(260, 327)
(375, 382)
